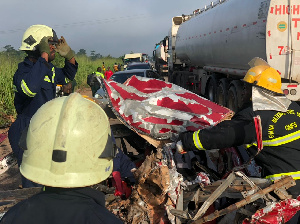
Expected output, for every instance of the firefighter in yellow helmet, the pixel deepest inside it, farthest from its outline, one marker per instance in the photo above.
(36, 78)
(68, 148)
(280, 153)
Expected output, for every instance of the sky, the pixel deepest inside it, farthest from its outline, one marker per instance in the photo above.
(108, 27)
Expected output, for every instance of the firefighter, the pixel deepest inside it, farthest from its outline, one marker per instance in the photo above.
(280, 119)
(36, 78)
(69, 148)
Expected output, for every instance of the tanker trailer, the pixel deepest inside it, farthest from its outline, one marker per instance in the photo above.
(209, 50)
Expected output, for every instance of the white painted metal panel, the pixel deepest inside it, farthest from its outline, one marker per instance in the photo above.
(283, 38)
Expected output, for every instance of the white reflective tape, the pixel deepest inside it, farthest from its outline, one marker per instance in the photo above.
(197, 141)
(26, 90)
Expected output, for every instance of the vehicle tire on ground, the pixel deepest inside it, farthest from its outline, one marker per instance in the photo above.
(185, 80)
(177, 78)
(232, 103)
(222, 92)
(211, 91)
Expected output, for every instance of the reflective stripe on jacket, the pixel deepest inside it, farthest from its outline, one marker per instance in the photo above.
(197, 141)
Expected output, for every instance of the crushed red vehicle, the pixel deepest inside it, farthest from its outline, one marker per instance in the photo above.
(158, 111)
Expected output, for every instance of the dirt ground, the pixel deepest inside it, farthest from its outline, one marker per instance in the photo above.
(11, 179)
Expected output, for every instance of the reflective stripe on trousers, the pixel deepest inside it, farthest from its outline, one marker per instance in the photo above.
(295, 175)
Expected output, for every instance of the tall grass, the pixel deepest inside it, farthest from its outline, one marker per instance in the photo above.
(9, 64)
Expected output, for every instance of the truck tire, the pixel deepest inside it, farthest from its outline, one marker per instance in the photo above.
(232, 103)
(183, 80)
(212, 89)
(235, 95)
(176, 78)
(222, 92)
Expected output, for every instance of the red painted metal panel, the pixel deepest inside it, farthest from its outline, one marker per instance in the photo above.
(161, 109)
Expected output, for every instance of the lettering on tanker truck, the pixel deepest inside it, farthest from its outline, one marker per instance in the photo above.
(284, 50)
(296, 20)
(285, 9)
(283, 37)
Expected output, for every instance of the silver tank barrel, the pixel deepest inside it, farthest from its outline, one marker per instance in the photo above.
(227, 35)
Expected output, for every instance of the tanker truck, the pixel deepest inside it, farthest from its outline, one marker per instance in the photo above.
(209, 50)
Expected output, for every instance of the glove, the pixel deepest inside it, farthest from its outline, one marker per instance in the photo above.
(44, 45)
(185, 142)
(64, 50)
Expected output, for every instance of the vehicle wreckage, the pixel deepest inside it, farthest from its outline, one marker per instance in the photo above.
(214, 186)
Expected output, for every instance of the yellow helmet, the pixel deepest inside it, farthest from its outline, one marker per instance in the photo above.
(68, 143)
(34, 34)
(261, 74)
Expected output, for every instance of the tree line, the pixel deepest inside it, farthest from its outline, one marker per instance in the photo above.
(9, 50)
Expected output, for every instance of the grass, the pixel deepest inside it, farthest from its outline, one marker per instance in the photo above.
(8, 66)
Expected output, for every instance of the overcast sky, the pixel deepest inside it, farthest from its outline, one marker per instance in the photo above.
(114, 27)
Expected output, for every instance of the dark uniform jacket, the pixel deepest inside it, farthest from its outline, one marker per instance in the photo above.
(62, 206)
(34, 85)
(280, 134)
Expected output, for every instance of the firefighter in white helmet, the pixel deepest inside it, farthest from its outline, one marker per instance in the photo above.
(36, 78)
(68, 148)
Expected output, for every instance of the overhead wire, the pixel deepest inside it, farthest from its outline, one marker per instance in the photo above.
(90, 22)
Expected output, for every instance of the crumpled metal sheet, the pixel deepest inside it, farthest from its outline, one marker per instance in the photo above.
(276, 213)
(160, 109)
(156, 191)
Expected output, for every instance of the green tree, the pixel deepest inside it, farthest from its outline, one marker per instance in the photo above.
(98, 56)
(92, 53)
(9, 48)
(122, 57)
(81, 52)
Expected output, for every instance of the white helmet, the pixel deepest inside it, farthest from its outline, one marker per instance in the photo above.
(68, 143)
(34, 34)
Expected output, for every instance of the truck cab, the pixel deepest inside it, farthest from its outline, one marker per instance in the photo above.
(134, 57)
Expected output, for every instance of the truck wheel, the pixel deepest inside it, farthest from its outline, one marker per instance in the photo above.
(177, 79)
(222, 92)
(183, 80)
(232, 99)
(212, 89)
